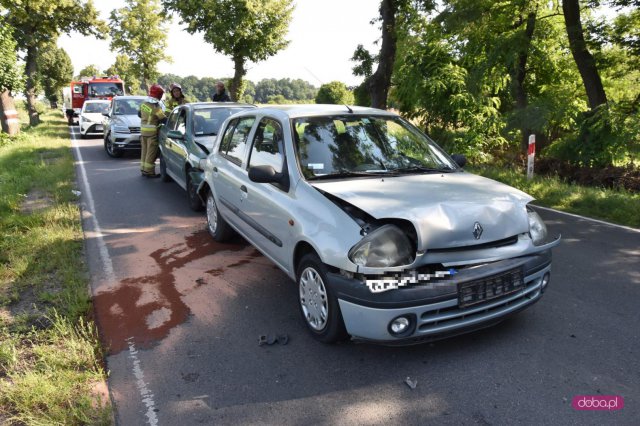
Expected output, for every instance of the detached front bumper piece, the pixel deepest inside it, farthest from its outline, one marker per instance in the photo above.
(442, 309)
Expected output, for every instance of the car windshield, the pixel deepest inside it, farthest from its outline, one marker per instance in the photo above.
(105, 89)
(207, 122)
(128, 106)
(96, 107)
(358, 145)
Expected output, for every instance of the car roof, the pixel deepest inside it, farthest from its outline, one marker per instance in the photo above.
(125, 97)
(301, 110)
(201, 105)
(97, 101)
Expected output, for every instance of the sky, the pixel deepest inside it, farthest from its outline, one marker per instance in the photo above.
(323, 36)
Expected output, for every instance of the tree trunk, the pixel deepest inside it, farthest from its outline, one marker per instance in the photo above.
(380, 80)
(8, 114)
(236, 83)
(31, 68)
(518, 76)
(584, 60)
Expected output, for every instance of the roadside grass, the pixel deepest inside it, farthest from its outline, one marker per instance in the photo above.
(50, 355)
(615, 206)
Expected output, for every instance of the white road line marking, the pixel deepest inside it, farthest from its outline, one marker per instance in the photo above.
(107, 266)
(145, 393)
(602, 222)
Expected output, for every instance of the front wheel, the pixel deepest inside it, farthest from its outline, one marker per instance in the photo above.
(218, 228)
(112, 151)
(318, 305)
(194, 199)
(163, 170)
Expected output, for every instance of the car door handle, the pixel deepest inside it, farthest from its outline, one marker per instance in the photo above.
(243, 188)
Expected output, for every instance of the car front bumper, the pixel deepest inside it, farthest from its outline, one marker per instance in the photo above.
(126, 141)
(90, 128)
(433, 308)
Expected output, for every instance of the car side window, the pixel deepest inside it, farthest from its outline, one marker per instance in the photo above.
(181, 125)
(234, 140)
(268, 145)
(173, 119)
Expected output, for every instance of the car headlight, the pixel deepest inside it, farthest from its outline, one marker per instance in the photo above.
(385, 247)
(120, 129)
(87, 119)
(537, 228)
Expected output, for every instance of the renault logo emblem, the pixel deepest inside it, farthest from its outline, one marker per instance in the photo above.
(477, 230)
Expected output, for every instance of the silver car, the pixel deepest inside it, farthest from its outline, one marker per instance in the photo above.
(91, 117)
(388, 239)
(122, 126)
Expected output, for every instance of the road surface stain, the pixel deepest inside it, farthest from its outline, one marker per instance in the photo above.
(146, 308)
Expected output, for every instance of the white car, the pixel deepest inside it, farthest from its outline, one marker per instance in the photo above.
(122, 125)
(91, 118)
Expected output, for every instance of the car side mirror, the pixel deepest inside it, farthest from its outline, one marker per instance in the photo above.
(460, 159)
(267, 174)
(175, 134)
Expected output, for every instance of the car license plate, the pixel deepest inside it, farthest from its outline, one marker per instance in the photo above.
(99, 128)
(482, 290)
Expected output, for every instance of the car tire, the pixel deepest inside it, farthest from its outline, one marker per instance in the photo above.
(109, 148)
(318, 305)
(192, 193)
(82, 136)
(218, 228)
(164, 176)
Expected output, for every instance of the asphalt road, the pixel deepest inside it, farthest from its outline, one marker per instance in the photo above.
(181, 316)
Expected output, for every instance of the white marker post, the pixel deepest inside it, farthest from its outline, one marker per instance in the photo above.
(531, 154)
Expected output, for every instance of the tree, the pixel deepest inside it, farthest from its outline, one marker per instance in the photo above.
(584, 60)
(334, 92)
(11, 80)
(36, 22)
(55, 71)
(122, 67)
(138, 30)
(245, 30)
(88, 71)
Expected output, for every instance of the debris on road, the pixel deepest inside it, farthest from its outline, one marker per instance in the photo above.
(411, 383)
(76, 193)
(270, 339)
(283, 339)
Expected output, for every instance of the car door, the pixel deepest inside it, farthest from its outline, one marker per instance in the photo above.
(228, 171)
(265, 206)
(177, 149)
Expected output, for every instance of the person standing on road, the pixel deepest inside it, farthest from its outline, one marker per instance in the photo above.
(151, 116)
(221, 94)
(177, 97)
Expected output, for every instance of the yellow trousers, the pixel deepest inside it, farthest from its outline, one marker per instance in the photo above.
(149, 153)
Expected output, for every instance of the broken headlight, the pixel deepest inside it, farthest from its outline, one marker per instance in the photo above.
(387, 246)
(537, 228)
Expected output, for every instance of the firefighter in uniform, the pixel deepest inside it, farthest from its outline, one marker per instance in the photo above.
(177, 97)
(152, 116)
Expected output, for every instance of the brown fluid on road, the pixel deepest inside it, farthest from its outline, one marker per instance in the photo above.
(146, 308)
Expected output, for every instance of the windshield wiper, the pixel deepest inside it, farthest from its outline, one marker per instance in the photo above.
(422, 169)
(347, 174)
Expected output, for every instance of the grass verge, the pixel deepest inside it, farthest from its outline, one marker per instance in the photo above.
(50, 355)
(616, 206)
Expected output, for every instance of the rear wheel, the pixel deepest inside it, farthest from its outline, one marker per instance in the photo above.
(194, 199)
(218, 228)
(112, 151)
(318, 305)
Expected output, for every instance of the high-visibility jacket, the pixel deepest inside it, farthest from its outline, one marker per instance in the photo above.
(151, 116)
(172, 103)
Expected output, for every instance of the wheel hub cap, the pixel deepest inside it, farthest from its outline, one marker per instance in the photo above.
(313, 299)
(212, 214)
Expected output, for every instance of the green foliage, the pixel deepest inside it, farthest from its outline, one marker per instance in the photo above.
(123, 68)
(245, 30)
(139, 30)
(55, 70)
(11, 77)
(89, 71)
(334, 92)
(287, 89)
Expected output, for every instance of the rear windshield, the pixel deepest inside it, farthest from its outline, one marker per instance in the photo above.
(105, 89)
(207, 122)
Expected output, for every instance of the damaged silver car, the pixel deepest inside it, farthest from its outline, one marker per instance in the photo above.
(387, 237)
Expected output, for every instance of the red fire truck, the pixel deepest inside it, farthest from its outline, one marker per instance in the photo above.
(89, 88)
